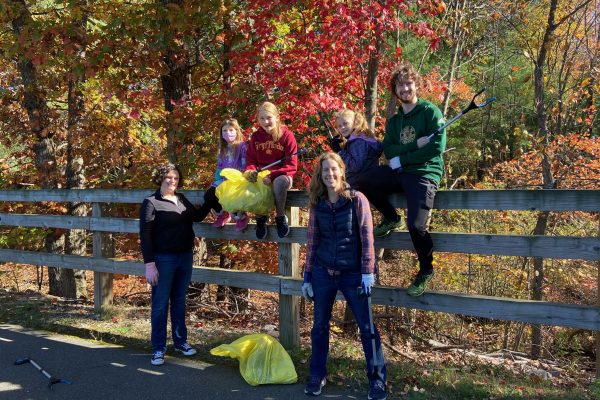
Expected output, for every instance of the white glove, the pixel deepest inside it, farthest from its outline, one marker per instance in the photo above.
(395, 164)
(307, 291)
(367, 282)
(151, 273)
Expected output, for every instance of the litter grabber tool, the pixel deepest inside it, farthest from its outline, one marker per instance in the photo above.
(472, 106)
(52, 379)
(327, 125)
(361, 292)
(298, 153)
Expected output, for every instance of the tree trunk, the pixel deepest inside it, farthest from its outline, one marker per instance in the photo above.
(547, 178)
(34, 101)
(75, 242)
(458, 37)
(176, 85)
(371, 88)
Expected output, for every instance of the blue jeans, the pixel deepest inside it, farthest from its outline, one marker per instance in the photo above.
(174, 275)
(325, 288)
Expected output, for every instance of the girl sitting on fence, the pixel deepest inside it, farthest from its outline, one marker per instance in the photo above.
(232, 154)
(269, 143)
(356, 144)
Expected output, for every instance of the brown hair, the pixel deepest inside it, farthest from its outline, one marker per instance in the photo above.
(404, 72)
(238, 139)
(160, 173)
(316, 187)
(360, 126)
(272, 109)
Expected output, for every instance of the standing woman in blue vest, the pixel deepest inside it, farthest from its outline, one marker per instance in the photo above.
(339, 256)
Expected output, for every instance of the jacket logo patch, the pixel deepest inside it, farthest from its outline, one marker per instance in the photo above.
(407, 135)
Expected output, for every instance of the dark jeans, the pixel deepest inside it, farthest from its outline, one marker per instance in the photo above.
(378, 183)
(211, 202)
(325, 288)
(174, 275)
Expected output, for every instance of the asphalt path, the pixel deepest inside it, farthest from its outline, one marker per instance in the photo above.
(103, 371)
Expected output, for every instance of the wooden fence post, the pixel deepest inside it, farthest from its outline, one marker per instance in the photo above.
(597, 333)
(289, 310)
(103, 281)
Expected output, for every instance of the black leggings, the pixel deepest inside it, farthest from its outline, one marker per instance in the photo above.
(211, 202)
(378, 183)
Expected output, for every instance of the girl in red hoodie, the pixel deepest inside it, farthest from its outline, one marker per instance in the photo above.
(269, 143)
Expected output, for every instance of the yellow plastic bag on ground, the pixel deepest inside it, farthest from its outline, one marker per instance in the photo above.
(262, 358)
(238, 194)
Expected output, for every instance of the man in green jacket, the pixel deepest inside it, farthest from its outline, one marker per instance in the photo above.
(415, 168)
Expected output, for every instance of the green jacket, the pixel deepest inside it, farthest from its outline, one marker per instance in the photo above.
(402, 132)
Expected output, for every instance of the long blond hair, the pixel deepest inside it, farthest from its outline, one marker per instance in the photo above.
(239, 138)
(360, 126)
(272, 109)
(316, 187)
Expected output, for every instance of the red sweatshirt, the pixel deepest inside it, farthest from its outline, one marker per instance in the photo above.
(262, 150)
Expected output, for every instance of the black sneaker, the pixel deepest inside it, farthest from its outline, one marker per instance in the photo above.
(283, 229)
(314, 386)
(158, 358)
(185, 349)
(377, 390)
(261, 227)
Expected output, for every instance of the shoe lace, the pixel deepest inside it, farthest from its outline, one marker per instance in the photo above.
(158, 354)
(377, 385)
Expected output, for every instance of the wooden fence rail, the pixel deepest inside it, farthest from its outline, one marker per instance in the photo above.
(287, 282)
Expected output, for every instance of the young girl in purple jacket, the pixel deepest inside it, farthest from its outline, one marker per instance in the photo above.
(232, 154)
(359, 148)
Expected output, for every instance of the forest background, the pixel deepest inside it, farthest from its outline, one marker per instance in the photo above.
(95, 94)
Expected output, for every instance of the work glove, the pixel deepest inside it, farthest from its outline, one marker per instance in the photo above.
(251, 176)
(151, 273)
(395, 164)
(336, 143)
(367, 283)
(307, 290)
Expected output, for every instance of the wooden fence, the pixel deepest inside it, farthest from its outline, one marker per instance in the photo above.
(287, 283)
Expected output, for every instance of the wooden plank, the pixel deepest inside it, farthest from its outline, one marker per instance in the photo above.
(528, 311)
(498, 308)
(90, 195)
(519, 199)
(516, 199)
(45, 221)
(103, 281)
(563, 247)
(289, 306)
(236, 278)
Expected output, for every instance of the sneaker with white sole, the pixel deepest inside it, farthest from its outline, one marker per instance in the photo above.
(158, 358)
(185, 349)
(314, 385)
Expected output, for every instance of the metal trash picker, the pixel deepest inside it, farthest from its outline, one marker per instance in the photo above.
(471, 106)
(52, 380)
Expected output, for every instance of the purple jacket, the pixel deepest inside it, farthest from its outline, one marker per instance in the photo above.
(236, 160)
(360, 154)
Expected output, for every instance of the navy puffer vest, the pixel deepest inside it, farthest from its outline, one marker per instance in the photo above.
(339, 246)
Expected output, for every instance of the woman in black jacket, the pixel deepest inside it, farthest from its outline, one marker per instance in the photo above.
(167, 238)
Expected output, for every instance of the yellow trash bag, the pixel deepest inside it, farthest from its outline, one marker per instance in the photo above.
(263, 359)
(238, 194)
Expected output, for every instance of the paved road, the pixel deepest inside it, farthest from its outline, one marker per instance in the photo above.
(101, 371)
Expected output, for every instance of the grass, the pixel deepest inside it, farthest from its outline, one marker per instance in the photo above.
(431, 377)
